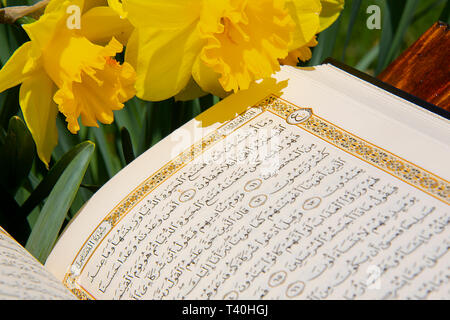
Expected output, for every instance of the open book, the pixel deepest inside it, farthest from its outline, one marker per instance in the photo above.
(315, 184)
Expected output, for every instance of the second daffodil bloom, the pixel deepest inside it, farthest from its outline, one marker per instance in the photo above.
(184, 48)
(60, 69)
(327, 11)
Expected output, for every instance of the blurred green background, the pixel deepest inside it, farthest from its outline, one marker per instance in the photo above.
(38, 203)
(402, 22)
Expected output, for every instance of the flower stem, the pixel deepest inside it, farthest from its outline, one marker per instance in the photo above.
(10, 15)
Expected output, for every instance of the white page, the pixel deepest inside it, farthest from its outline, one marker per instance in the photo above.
(139, 238)
(22, 277)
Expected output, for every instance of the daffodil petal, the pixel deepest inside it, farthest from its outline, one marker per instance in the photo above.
(44, 30)
(132, 49)
(330, 12)
(39, 112)
(207, 79)
(163, 60)
(17, 68)
(100, 24)
(303, 53)
(190, 92)
(56, 5)
(89, 4)
(116, 5)
(162, 13)
(305, 13)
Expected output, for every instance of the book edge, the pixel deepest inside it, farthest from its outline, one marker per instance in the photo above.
(389, 88)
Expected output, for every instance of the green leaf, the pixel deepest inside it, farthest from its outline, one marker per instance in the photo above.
(368, 58)
(327, 41)
(131, 117)
(48, 225)
(354, 14)
(46, 185)
(91, 187)
(10, 218)
(5, 50)
(165, 109)
(66, 139)
(97, 168)
(25, 20)
(191, 109)
(391, 15)
(127, 146)
(397, 18)
(182, 112)
(196, 108)
(145, 137)
(445, 14)
(206, 101)
(17, 155)
(405, 21)
(158, 123)
(107, 148)
(9, 105)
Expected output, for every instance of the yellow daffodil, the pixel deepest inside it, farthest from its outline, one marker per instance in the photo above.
(185, 48)
(116, 5)
(61, 69)
(303, 53)
(100, 23)
(321, 16)
(330, 12)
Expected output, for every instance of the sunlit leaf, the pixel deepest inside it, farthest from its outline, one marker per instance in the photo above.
(48, 225)
(46, 185)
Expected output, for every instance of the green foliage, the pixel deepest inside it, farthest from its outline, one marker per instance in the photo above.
(402, 22)
(48, 225)
(38, 202)
(17, 152)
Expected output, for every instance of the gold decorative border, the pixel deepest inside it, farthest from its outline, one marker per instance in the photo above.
(366, 151)
(376, 156)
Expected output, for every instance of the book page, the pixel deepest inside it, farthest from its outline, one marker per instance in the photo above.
(292, 191)
(22, 277)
